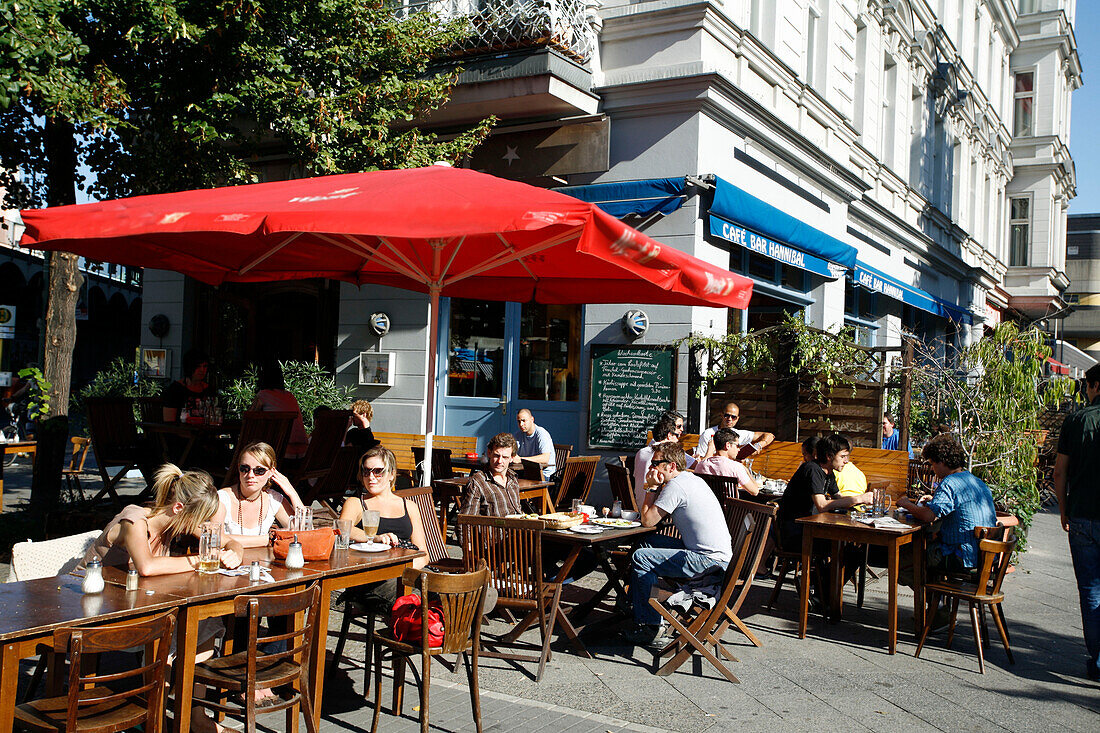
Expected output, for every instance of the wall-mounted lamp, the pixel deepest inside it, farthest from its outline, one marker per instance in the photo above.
(635, 323)
(380, 323)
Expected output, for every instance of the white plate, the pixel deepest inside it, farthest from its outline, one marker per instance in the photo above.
(616, 523)
(370, 546)
(586, 529)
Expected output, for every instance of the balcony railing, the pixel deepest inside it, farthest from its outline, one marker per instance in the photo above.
(569, 26)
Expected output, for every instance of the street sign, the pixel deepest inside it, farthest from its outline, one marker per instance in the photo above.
(7, 321)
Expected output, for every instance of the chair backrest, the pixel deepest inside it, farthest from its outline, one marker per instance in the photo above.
(297, 639)
(334, 484)
(433, 534)
(511, 550)
(741, 539)
(150, 409)
(49, 558)
(80, 454)
(763, 515)
(400, 443)
(995, 556)
(621, 486)
(461, 597)
(329, 428)
(112, 428)
(724, 487)
(561, 454)
(576, 481)
(147, 686)
(531, 470)
(257, 426)
(441, 461)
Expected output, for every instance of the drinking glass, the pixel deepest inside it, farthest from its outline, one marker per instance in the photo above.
(616, 509)
(881, 501)
(370, 523)
(210, 547)
(576, 506)
(303, 519)
(343, 534)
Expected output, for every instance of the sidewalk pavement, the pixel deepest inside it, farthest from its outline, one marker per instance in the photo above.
(839, 677)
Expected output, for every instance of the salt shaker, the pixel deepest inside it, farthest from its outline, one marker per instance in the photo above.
(132, 579)
(93, 577)
(254, 572)
(294, 558)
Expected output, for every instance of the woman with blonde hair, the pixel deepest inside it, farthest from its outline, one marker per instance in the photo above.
(252, 505)
(146, 536)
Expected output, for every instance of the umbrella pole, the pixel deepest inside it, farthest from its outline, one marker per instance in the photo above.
(429, 390)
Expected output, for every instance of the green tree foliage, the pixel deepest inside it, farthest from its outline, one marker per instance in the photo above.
(167, 95)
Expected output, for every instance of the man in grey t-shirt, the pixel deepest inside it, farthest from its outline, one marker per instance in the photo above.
(705, 545)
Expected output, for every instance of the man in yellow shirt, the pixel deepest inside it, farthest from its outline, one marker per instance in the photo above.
(851, 480)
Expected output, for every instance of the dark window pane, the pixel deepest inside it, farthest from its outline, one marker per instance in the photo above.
(475, 367)
(550, 352)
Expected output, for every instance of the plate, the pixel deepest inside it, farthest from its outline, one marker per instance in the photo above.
(369, 546)
(586, 529)
(616, 523)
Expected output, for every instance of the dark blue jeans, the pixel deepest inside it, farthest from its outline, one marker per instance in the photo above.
(1084, 547)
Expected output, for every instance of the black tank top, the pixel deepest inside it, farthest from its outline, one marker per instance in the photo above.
(401, 527)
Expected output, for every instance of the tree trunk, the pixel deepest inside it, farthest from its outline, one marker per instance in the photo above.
(64, 275)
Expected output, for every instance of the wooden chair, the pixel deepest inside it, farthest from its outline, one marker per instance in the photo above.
(115, 441)
(724, 487)
(697, 630)
(982, 591)
(75, 470)
(329, 428)
(341, 476)
(461, 599)
(441, 463)
(251, 669)
(576, 481)
(259, 426)
(622, 487)
(511, 549)
(150, 409)
(438, 559)
(763, 515)
(786, 562)
(561, 454)
(103, 703)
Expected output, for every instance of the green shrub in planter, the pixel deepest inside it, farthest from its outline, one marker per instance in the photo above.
(310, 384)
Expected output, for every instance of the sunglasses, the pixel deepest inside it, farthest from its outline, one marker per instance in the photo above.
(654, 464)
(377, 471)
(258, 470)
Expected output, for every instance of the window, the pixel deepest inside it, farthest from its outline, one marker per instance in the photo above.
(1019, 231)
(813, 43)
(549, 352)
(1023, 118)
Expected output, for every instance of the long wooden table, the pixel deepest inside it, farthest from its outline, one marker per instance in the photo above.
(840, 528)
(34, 609)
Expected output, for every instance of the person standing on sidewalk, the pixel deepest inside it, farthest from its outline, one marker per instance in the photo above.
(1077, 484)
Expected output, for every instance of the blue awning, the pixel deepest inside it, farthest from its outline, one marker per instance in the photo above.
(880, 282)
(642, 198)
(780, 233)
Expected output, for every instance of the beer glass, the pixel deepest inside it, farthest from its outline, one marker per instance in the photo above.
(370, 523)
(210, 547)
(881, 501)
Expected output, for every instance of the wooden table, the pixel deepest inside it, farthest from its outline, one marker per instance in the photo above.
(14, 449)
(33, 609)
(190, 433)
(600, 545)
(840, 528)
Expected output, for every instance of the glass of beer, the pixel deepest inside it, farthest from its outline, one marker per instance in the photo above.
(370, 523)
(210, 547)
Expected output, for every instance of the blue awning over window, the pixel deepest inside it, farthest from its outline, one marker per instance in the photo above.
(781, 233)
(880, 282)
(642, 198)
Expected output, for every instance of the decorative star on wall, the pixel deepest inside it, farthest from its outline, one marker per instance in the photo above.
(510, 155)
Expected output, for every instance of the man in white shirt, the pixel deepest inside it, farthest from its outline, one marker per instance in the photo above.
(724, 462)
(731, 413)
(663, 431)
(535, 443)
(705, 543)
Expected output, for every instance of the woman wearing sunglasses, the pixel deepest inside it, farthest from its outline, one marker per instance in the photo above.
(253, 505)
(398, 518)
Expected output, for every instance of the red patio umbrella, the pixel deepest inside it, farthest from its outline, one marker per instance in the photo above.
(437, 230)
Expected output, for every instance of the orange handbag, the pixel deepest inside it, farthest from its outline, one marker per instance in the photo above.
(317, 544)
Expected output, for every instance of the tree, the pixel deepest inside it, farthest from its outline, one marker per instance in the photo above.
(154, 96)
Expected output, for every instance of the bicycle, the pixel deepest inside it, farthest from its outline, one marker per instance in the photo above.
(9, 432)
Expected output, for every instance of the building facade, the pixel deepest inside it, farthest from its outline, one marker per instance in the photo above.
(892, 165)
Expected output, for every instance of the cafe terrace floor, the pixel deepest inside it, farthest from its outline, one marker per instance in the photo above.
(838, 678)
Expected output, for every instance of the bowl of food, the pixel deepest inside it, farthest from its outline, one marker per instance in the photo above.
(630, 515)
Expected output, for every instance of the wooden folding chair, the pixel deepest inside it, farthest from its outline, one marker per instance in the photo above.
(512, 551)
(699, 630)
(561, 454)
(341, 476)
(106, 702)
(75, 469)
(763, 514)
(329, 428)
(115, 442)
(576, 481)
(258, 426)
(724, 487)
(622, 488)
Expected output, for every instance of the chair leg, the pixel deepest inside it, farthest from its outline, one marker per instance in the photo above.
(338, 653)
(369, 647)
(425, 683)
(977, 636)
(377, 688)
(1004, 624)
(933, 603)
(475, 693)
(782, 572)
(985, 626)
(861, 581)
(954, 617)
(1002, 629)
(398, 680)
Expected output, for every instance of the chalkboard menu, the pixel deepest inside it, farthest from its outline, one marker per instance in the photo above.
(631, 387)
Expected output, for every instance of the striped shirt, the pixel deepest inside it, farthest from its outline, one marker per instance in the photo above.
(485, 496)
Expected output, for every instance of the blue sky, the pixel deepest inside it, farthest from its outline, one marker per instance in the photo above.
(1086, 111)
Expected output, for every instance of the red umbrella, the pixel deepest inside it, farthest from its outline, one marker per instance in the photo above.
(438, 230)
